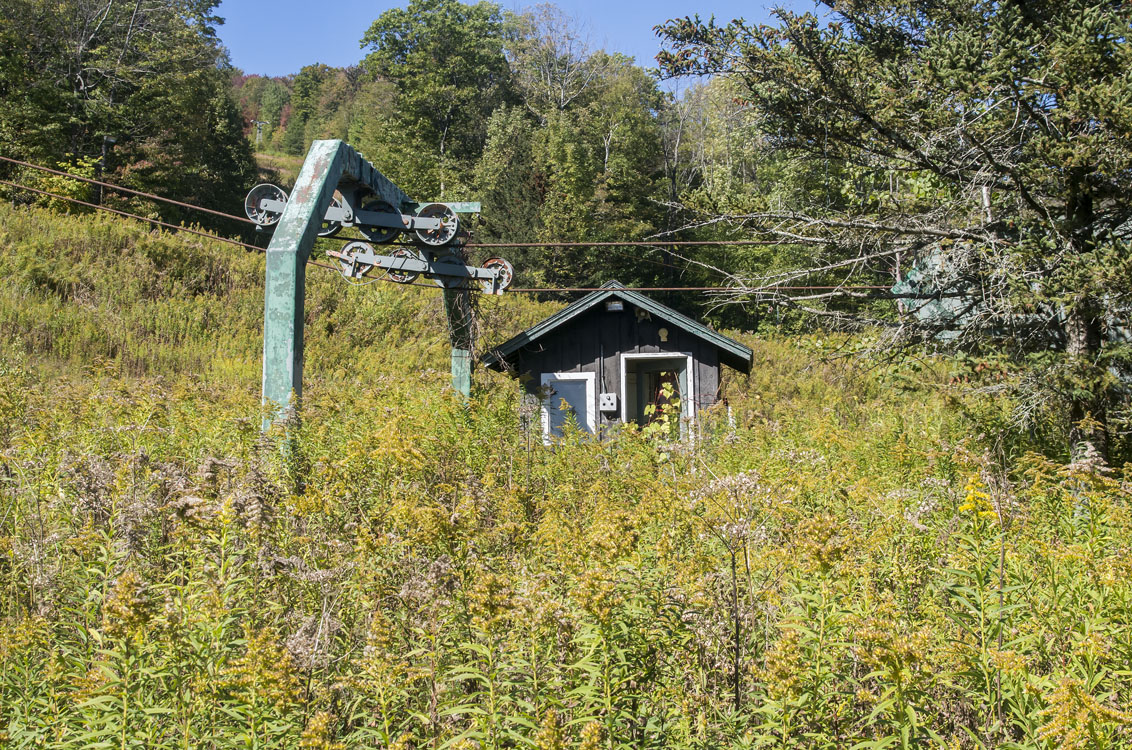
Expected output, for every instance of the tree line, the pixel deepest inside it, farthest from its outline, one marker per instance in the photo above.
(137, 92)
(559, 141)
(974, 156)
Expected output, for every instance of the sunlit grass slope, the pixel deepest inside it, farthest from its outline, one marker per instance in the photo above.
(845, 566)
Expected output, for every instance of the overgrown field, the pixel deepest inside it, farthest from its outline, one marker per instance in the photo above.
(858, 561)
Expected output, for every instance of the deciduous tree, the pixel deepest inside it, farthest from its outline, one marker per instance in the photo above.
(446, 60)
(146, 81)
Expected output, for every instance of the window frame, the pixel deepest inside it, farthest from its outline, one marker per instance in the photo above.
(590, 379)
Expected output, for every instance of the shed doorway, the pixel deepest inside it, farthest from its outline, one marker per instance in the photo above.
(650, 382)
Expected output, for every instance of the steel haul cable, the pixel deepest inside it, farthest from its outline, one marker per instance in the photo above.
(112, 186)
(628, 243)
(517, 245)
(165, 225)
(739, 289)
(660, 244)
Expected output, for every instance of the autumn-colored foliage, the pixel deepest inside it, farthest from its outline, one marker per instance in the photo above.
(853, 562)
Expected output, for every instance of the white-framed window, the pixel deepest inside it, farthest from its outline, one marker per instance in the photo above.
(568, 396)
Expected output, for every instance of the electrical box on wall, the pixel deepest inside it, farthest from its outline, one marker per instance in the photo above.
(607, 402)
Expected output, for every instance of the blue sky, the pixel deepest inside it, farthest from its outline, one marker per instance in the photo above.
(282, 36)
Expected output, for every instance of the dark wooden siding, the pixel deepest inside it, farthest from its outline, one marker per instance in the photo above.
(594, 341)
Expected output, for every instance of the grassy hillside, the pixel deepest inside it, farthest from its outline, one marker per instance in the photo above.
(852, 564)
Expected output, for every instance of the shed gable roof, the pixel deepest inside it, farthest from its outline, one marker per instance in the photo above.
(731, 352)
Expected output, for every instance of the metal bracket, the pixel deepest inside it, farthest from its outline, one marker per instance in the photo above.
(404, 222)
(348, 217)
(357, 259)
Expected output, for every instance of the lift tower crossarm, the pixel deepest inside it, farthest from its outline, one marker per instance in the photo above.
(338, 188)
(328, 164)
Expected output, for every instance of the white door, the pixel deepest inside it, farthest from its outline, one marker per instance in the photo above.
(567, 396)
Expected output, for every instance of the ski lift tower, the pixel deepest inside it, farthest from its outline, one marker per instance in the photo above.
(338, 188)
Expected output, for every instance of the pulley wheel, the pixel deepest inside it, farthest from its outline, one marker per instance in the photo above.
(331, 228)
(402, 277)
(264, 192)
(505, 272)
(379, 235)
(351, 269)
(449, 224)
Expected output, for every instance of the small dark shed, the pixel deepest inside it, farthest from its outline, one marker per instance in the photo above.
(606, 358)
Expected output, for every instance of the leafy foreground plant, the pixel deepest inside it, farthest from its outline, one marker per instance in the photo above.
(844, 567)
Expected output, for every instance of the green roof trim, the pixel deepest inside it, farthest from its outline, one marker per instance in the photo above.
(731, 352)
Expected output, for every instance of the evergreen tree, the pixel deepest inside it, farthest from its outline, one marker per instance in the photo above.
(993, 136)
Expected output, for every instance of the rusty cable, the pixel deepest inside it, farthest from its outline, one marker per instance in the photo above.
(628, 243)
(742, 290)
(143, 194)
(518, 245)
(166, 225)
(533, 290)
(530, 245)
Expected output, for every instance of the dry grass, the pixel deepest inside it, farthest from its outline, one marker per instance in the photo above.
(847, 567)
